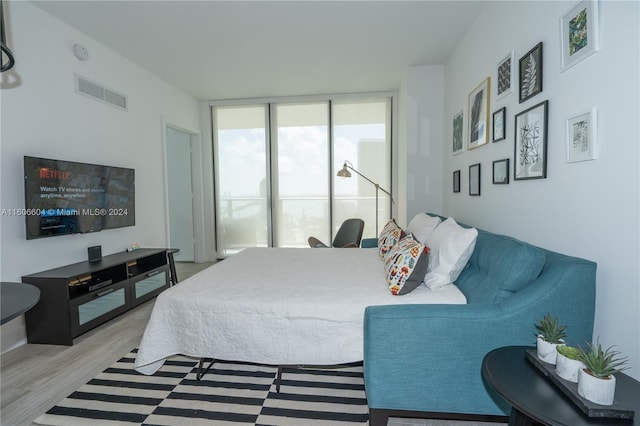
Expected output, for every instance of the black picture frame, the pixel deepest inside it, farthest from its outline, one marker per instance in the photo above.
(474, 179)
(501, 172)
(530, 143)
(530, 73)
(458, 133)
(499, 124)
(456, 181)
(506, 75)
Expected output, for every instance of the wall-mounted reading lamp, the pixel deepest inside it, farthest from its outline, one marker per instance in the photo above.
(344, 172)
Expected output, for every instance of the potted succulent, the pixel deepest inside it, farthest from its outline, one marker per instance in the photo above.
(596, 381)
(549, 335)
(568, 363)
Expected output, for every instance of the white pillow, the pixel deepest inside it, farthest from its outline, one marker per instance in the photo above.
(450, 248)
(422, 225)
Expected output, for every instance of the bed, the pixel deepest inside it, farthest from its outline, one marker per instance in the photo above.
(277, 306)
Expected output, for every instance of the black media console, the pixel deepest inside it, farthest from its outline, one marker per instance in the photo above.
(78, 297)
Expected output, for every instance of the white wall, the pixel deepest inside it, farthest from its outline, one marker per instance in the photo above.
(588, 209)
(420, 142)
(43, 116)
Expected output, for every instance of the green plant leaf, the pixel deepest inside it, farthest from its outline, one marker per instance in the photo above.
(569, 351)
(550, 330)
(600, 362)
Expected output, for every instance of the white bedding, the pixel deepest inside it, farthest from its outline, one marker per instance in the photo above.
(275, 306)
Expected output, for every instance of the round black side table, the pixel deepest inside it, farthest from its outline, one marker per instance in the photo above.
(16, 299)
(535, 400)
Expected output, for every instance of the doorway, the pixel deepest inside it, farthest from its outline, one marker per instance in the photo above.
(180, 193)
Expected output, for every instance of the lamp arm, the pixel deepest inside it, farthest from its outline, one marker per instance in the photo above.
(3, 46)
(372, 182)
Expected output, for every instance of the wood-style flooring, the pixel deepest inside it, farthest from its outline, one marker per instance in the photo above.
(34, 378)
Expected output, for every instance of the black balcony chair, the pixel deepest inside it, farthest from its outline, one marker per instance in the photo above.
(349, 235)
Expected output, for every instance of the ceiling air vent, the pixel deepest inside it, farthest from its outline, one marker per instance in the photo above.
(100, 93)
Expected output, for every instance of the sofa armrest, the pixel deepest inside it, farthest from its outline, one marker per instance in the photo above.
(428, 357)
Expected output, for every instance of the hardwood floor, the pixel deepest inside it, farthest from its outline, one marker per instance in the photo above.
(34, 378)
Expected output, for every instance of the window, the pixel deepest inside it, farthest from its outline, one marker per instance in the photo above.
(275, 170)
(301, 173)
(241, 179)
(361, 135)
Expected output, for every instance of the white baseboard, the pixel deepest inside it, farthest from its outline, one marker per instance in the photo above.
(13, 334)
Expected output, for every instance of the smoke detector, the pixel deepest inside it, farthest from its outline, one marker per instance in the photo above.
(81, 52)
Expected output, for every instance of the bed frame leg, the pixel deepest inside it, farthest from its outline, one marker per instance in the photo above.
(200, 373)
(278, 379)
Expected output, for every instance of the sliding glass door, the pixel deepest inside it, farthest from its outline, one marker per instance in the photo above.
(361, 137)
(242, 193)
(300, 173)
(276, 165)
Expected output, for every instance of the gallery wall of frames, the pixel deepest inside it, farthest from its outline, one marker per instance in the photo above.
(483, 120)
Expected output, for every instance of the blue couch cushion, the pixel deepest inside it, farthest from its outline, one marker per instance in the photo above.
(499, 267)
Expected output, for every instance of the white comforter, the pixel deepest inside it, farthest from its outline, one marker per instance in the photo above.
(275, 306)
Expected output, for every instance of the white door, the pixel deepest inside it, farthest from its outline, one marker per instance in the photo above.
(181, 235)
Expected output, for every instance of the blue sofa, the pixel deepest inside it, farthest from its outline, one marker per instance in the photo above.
(425, 360)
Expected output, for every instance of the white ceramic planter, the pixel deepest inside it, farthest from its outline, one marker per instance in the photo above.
(568, 368)
(546, 351)
(600, 391)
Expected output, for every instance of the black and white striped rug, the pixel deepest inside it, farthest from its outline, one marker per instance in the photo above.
(230, 393)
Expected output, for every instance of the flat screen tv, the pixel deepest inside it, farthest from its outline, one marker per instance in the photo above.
(66, 197)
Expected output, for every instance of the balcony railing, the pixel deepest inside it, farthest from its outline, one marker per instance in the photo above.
(243, 220)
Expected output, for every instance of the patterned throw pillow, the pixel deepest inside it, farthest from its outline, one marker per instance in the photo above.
(406, 265)
(389, 237)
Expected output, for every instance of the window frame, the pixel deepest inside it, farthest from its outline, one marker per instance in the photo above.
(271, 102)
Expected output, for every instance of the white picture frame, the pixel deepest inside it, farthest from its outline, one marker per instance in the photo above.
(506, 75)
(582, 137)
(579, 33)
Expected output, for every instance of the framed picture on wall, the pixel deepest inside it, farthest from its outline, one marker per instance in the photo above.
(501, 171)
(478, 121)
(530, 147)
(505, 78)
(456, 181)
(581, 137)
(458, 131)
(530, 73)
(579, 33)
(499, 124)
(474, 179)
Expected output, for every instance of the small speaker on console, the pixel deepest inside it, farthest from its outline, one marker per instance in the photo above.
(95, 253)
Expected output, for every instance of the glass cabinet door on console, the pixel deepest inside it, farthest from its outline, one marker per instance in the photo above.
(148, 285)
(95, 308)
